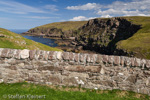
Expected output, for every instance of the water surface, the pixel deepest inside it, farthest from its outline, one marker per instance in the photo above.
(40, 39)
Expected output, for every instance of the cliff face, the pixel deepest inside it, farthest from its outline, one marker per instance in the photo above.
(101, 35)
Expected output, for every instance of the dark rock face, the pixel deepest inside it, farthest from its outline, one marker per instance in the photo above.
(101, 35)
(50, 32)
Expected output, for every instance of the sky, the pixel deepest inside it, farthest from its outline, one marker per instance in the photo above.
(26, 14)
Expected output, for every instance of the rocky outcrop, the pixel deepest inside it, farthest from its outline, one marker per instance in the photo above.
(101, 35)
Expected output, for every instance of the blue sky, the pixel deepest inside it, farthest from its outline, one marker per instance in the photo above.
(26, 14)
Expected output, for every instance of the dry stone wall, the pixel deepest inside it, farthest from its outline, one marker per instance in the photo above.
(74, 69)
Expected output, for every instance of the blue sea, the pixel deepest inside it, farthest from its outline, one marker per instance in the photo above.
(40, 39)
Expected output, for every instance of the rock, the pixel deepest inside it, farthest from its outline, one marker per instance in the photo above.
(99, 59)
(52, 55)
(148, 64)
(147, 81)
(59, 55)
(24, 54)
(17, 54)
(111, 59)
(71, 56)
(1, 80)
(105, 58)
(82, 58)
(65, 55)
(102, 71)
(4, 53)
(1, 49)
(137, 62)
(132, 78)
(120, 74)
(122, 60)
(46, 55)
(31, 54)
(127, 61)
(76, 57)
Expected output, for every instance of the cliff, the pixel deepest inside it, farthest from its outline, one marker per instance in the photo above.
(58, 29)
(12, 40)
(103, 34)
(129, 36)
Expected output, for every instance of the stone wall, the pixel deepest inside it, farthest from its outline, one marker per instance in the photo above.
(71, 69)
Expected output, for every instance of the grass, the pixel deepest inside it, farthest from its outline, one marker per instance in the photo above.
(139, 43)
(64, 93)
(65, 26)
(16, 41)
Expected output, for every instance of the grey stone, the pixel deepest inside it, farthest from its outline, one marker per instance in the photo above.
(59, 55)
(24, 54)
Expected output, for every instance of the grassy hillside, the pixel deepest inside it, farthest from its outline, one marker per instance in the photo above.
(26, 91)
(65, 26)
(139, 43)
(12, 40)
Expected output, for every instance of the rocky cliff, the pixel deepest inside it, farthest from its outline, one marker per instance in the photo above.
(102, 35)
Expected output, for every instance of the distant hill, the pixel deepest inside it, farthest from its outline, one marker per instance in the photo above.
(129, 36)
(58, 29)
(12, 40)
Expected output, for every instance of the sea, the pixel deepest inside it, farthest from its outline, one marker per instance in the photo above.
(40, 39)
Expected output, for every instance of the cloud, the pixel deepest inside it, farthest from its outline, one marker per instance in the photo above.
(51, 7)
(88, 6)
(117, 8)
(81, 18)
(40, 17)
(20, 8)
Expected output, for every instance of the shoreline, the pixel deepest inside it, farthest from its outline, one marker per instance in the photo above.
(68, 45)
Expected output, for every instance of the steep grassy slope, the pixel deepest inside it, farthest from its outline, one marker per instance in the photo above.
(9, 39)
(139, 43)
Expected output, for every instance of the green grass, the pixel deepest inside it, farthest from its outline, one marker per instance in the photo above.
(65, 93)
(16, 41)
(139, 43)
(70, 25)
(64, 26)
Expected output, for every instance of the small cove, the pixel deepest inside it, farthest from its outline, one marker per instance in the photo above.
(40, 39)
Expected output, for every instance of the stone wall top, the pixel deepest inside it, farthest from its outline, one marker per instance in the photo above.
(78, 58)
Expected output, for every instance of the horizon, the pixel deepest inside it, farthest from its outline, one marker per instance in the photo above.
(16, 14)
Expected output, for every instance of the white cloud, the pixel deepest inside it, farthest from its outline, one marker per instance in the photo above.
(106, 16)
(117, 8)
(88, 6)
(51, 7)
(20, 8)
(81, 18)
(40, 17)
